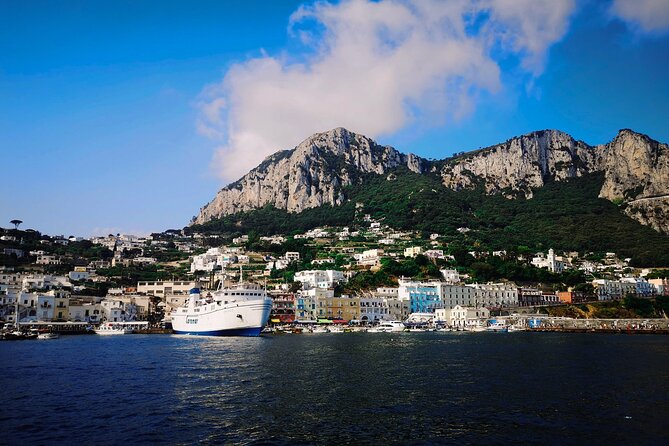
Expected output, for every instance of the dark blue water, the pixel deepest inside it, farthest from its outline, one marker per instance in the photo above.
(409, 388)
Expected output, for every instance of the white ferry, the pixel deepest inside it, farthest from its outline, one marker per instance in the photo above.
(241, 310)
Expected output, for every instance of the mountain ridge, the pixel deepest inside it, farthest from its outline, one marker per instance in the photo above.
(317, 171)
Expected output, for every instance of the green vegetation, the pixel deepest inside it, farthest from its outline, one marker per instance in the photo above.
(567, 216)
(419, 268)
(129, 276)
(629, 308)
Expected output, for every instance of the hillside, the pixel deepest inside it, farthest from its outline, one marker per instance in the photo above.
(543, 189)
(566, 215)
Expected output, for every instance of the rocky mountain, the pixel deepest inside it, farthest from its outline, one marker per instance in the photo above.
(316, 172)
(310, 175)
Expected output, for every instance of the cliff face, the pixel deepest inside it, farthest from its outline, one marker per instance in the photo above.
(522, 163)
(310, 175)
(637, 174)
(635, 167)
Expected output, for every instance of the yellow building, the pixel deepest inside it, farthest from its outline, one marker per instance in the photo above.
(330, 307)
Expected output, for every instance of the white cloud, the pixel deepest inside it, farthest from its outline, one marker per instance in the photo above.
(650, 16)
(375, 68)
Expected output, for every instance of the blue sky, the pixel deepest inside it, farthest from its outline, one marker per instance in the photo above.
(117, 116)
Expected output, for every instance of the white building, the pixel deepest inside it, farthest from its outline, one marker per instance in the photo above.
(48, 259)
(496, 294)
(413, 251)
(85, 312)
(44, 282)
(435, 254)
(451, 276)
(114, 310)
(370, 257)
(642, 288)
(462, 317)
(429, 296)
(319, 278)
(549, 262)
(78, 275)
(274, 240)
(612, 289)
(374, 309)
(165, 288)
(292, 256)
(214, 258)
(277, 264)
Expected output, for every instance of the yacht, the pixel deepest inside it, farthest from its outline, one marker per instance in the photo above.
(388, 327)
(48, 335)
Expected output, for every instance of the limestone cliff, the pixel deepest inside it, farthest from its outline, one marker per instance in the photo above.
(637, 174)
(310, 175)
(521, 164)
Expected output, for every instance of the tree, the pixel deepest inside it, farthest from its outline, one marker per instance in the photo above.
(16, 223)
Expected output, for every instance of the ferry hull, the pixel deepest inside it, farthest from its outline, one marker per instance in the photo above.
(249, 332)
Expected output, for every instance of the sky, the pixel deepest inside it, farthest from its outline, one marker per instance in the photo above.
(128, 116)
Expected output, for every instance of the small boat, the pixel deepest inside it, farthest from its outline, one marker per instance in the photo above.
(388, 327)
(497, 326)
(48, 335)
(111, 328)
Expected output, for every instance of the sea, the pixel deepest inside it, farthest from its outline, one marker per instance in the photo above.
(337, 388)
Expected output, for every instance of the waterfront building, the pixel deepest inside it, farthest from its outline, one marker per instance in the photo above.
(115, 310)
(283, 308)
(305, 307)
(80, 311)
(425, 297)
(374, 309)
(174, 301)
(496, 295)
(528, 297)
(462, 317)
(398, 309)
(572, 297)
(642, 288)
(338, 307)
(612, 289)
